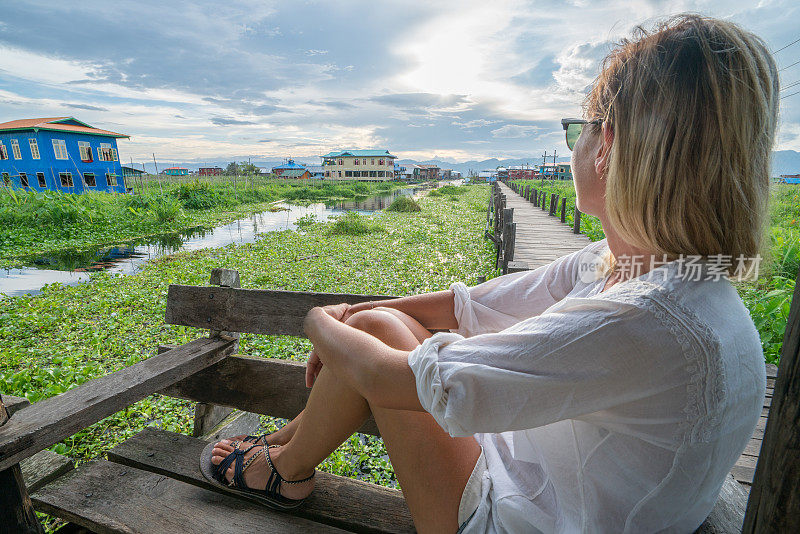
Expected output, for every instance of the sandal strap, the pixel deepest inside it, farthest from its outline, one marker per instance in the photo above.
(275, 480)
(238, 468)
(222, 468)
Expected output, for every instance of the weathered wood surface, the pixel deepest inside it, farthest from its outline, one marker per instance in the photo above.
(745, 466)
(110, 498)
(47, 422)
(14, 403)
(44, 467)
(16, 509)
(338, 501)
(260, 385)
(235, 424)
(540, 238)
(774, 504)
(207, 416)
(249, 310)
(728, 513)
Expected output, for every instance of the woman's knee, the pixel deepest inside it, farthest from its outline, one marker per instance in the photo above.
(372, 321)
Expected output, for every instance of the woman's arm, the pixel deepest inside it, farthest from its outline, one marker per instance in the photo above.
(377, 371)
(434, 311)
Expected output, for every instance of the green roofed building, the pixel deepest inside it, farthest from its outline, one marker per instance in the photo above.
(369, 165)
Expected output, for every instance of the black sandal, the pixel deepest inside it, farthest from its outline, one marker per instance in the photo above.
(269, 496)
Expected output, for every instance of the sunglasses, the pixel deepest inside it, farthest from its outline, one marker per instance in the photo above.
(574, 127)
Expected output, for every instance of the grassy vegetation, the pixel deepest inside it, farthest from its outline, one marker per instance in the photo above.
(768, 299)
(405, 204)
(64, 336)
(36, 223)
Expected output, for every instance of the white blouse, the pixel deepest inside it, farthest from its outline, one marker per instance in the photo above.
(614, 411)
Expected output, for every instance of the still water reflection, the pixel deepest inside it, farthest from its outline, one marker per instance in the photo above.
(73, 267)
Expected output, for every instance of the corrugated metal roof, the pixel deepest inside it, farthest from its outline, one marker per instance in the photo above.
(55, 123)
(290, 165)
(359, 153)
(293, 173)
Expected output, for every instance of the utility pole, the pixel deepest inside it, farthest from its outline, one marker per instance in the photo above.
(544, 164)
(157, 178)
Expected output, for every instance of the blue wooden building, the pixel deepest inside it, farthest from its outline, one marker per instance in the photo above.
(59, 154)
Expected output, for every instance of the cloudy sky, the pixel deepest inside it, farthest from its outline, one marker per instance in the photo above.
(456, 80)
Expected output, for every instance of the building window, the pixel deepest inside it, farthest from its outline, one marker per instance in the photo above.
(364, 161)
(88, 178)
(66, 179)
(327, 173)
(348, 174)
(373, 174)
(106, 153)
(3, 151)
(381, 162)
(372, 161)
(111, 179)
(15, 149)
(60, 149)
(41, 180)
(355, 162)
(86, 151)
(340, 174)
(6, 179)
(341, 161)
(23, 180)
(34, 148)
(381, 174)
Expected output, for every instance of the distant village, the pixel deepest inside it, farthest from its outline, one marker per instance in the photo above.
(66, 154)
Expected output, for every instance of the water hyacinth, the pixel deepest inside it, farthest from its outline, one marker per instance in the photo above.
(64, 336)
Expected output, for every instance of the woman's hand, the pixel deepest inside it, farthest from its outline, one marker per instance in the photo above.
(313, 367)
(355, 308)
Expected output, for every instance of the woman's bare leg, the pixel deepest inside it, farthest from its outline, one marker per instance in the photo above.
(431, 466)
(285, 433)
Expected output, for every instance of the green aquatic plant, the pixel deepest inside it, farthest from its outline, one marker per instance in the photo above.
(404, 204)
(352, 223)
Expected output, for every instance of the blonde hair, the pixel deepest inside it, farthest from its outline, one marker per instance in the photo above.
(693, 106)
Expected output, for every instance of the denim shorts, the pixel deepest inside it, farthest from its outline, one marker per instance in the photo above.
(471, 497)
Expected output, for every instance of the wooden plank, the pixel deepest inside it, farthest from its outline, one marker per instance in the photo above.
(207, 416)
(249, 310)
(47, 422)
(44, 467)
(260, 385)
(16, 509)
(728, 513)
(774, 504)
(14, 403)
(109, 498)
(338, 501)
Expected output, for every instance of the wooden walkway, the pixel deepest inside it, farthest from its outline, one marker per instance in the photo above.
(540, 238)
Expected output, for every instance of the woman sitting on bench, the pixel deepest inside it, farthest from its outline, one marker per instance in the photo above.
(609, 391)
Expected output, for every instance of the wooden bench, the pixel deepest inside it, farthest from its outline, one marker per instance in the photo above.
(151, 483)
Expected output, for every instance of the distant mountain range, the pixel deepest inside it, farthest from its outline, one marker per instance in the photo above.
(783, 162)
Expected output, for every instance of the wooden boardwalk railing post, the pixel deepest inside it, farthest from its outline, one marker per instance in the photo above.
(207, 416)
(563, 210)
(576, 224)
(774, 503)
(16, 508)
(544, 200)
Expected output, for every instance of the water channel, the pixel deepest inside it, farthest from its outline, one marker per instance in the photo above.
(72, 267)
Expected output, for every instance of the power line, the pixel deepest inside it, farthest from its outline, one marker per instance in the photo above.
(787, 66)
(787, 96)
(790, 85)
(787, 46)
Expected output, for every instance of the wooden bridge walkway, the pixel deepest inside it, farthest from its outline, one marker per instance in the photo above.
(540, 238)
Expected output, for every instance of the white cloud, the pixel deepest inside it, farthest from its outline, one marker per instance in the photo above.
(513, 131)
